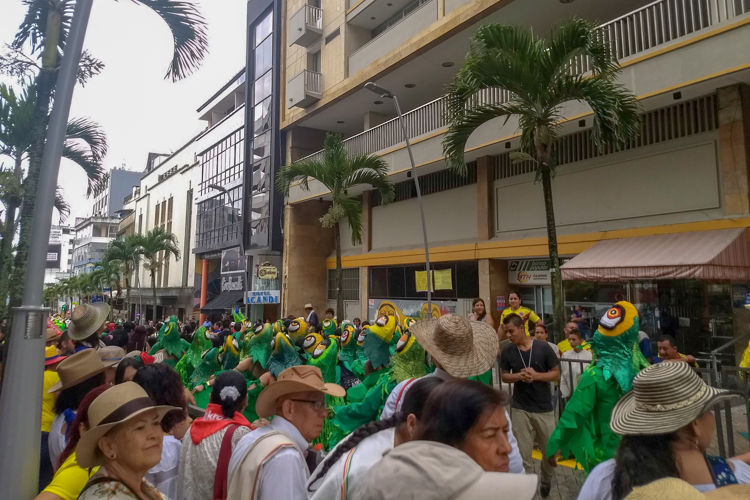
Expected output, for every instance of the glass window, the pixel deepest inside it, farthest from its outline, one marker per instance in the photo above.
(262, 146)
(262, 88)
(262, 116)
(263, 28)
(263, 56)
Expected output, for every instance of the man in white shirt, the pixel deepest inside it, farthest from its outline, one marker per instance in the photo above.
(270, 462)
(570, 371)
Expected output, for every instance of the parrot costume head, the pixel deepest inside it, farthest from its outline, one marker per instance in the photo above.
(325, 356)
(362, 335)
(378, 339)
(283, 355)
(237, 315)
(615, 344)
(209, 364)
(329, 327)
(279, 326)
(260, 344)
(169, 339)
(409, 361)
(297, 329)
(311, 342)
(229, 355)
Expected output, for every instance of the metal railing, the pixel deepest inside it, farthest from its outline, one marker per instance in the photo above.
(655, 24)
(313, 82)
(314, 16)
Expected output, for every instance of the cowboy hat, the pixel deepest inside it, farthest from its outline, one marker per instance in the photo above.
(87, 319)
(665, 397)
(111, 355)
(52, 355)
(115, 406)
(463, 348)
(308, 306)
(300, 378)
(672, 488)
(76, 368)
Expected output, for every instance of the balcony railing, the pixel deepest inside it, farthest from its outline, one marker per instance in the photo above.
(313, 82)
(314, 16)
(633, 34)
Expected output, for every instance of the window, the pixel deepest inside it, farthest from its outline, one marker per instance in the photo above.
(223, 162)
(263, 56)
(262, 88)
(218, 220)
(262, 116)
(399, 282)
(313, 61)
(263, 29)
(349, 287)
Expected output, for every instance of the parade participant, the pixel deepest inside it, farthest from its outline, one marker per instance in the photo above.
(127, 367)
(644, 344)
(529, 317)
(125, 439)
(343, 470)
(479, 312)
(329, 314)
(572, 370)
(51, 359)
(667, 425)
(583, 428)
(86, 323)
(311, 317)
(110, 356)
(211, 438)
(66, 345)
(668, 351)
(531, 411)
(78, 374)
(163, 386)
(170, 341)
(138, 340)
(270, 462)
(70, 478)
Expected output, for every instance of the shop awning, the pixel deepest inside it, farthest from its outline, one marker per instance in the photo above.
(226, 300)
(709, 255)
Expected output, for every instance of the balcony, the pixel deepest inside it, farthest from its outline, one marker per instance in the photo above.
(304, 89)
(306, 26)
(633, 35)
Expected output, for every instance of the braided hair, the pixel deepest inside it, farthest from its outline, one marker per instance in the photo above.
(229, 392)
(642, 459)
(414, 400)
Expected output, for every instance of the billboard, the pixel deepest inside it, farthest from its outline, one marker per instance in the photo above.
(53, 257)
(232, 261)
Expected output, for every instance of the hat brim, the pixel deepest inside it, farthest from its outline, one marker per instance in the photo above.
(87, 453)
(102, 311)
(480, 358)
(487, 486)
(59, 385)
(265, 406)
(54, 359)
(627, 419)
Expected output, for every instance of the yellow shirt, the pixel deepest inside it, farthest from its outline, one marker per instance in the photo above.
(565, 346)
(69, 479)
(48, 400)
(525, 313)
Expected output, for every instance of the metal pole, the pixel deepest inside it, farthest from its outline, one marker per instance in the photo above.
(20, 407)
(421, 206)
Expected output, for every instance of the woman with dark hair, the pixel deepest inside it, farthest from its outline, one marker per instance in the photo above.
(479, 312)
(529, 317)
(341, 473)
(137, 340)
(127, 368)
(78, 373)
(469, 416)
(70, 478)
(666, 426)
(165, 388)
(221, 426)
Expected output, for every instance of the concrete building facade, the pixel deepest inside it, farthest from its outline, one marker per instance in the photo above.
(59, 263)
(108, 198)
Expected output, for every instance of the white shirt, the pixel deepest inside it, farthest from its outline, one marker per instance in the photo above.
(396, 397)
(598, 485)
(56, 440)
(571, 372)
(368, 452)
(164, 475)
(284, 475)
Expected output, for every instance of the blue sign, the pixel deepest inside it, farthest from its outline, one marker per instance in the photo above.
(263, 297)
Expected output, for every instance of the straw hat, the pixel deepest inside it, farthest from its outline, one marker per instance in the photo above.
(665, 397)
(116, 405)
(308, 306)
(463, 348)
(672, 488)
(76, 368)
(52, 355)
(87, 319)
(300, 378)
(111, 355)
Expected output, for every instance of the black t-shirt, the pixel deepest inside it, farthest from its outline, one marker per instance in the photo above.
(534, 397)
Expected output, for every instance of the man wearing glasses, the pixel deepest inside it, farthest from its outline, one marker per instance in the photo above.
(275, 461)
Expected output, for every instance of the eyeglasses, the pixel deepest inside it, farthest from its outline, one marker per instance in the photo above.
(317, 405)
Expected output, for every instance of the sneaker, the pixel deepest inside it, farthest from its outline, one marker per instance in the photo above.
(544, 489)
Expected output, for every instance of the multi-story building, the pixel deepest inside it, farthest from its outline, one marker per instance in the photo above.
(111, 190)
(59, 254)
(92, 237)
(631, 221)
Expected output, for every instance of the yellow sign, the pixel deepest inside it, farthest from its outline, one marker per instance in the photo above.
(421, 279)
(441, 280)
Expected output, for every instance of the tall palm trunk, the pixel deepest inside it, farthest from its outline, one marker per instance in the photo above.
(339, 275)
(6, 246)
(558, 309)
(153, 290)
(127, 294)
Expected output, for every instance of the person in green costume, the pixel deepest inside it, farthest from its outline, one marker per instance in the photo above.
(170, 342)
(259, 344)
(329, 327)
(193, 356)
(297, 330)
(283, 355)
(409, 360)
(199, 380)
(583, 429)
(229, 355)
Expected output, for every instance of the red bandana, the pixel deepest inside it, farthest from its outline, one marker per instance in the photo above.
(213, 421)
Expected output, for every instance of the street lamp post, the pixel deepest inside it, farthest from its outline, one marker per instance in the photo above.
(373, 87)
(20, 411)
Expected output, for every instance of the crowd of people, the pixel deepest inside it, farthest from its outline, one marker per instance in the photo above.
(397, 408)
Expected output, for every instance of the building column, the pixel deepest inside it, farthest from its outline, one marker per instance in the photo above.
(204, 288)
(364, 293)
(734, 142)
(493, 281)
(485, 201)
(364, 272)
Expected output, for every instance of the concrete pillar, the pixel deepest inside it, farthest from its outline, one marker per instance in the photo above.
(485, 199)
(364, 292)
(734, 146)
(493, 281)
(366, 221)
(303, 141)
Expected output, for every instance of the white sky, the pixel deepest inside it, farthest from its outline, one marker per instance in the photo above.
(139, 110)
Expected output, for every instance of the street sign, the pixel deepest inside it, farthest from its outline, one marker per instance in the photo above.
(263, 297)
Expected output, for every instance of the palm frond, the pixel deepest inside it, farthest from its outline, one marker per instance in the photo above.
(298, 172)
(83, 159)
(33, 27)
(91, 133)
(62, 206)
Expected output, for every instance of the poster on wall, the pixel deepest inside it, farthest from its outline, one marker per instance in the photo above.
(442, 279)
(232, 261)
(405, 308)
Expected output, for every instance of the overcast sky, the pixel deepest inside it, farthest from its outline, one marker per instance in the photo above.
(139, 110)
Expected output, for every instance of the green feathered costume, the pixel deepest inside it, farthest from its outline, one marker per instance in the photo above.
(170, 341)
(260, 344)
(192, 357)
(283, 355)
(205, 370)
(409, 360)
(583, 428)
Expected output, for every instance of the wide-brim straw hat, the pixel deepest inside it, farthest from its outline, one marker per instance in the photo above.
(113, 407)
(672, 488)
(463, 348)
(111, 355)
(303, 378)
(308, 306)
(76, 368)
(665, 397)
(87, 319)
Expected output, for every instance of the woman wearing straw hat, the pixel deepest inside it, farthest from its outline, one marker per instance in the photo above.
(667, 425)
(86, 323)
(124, 439)
(78, 374)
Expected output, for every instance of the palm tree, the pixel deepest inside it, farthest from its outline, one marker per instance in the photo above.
(157, 246)
(539, 76)
(44, 31)
(111, 277)
(339, 171)
(127, 252)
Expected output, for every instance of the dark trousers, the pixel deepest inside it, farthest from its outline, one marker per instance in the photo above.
(45, 465)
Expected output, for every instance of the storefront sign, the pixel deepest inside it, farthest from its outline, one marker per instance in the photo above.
(529, 272)
(267, 272)
(232, 283)
(263, 297)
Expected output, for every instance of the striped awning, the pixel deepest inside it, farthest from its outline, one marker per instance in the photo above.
(710, 255)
